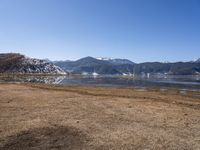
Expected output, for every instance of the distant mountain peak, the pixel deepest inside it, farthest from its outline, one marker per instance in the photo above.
(116, 61)
(104, 58)
(119, 61)
(197, 60)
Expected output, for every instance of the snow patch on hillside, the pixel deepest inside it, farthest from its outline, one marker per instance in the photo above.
(31, 65)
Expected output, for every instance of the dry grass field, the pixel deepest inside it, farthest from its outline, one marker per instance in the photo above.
(77, 117)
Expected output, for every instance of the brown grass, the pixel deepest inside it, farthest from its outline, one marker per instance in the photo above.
(75, 117)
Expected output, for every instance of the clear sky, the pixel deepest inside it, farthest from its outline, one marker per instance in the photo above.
(140, 30)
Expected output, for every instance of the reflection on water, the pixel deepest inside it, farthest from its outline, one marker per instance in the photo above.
(32, 79)
(163, 82)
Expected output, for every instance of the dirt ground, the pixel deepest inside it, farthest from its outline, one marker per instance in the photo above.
(74, 117)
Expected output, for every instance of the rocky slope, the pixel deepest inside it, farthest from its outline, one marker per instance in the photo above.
(17, 63)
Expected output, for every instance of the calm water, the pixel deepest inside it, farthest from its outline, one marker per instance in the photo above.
(162, 82)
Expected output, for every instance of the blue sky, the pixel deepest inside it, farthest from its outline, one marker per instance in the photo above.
(140, 30)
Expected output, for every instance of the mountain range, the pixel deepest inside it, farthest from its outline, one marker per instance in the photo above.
(18, 63)
(89, 65)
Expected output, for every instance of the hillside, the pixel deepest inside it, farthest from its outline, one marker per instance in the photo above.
(17, 63)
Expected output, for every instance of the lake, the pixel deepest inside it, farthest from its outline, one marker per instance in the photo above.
(159, 81)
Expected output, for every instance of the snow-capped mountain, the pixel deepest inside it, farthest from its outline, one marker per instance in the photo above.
(116, 61)
(197, 60)
(120, 61)
(104, 58)
(17, 63)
